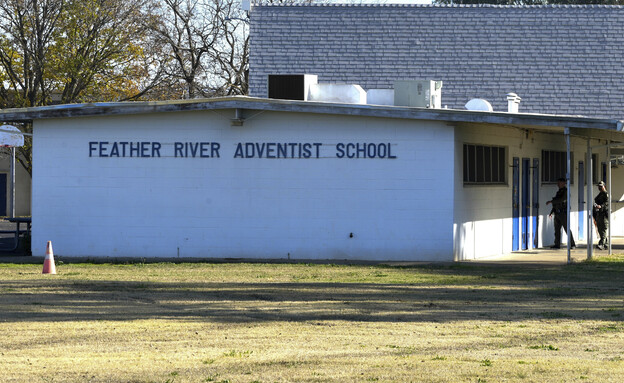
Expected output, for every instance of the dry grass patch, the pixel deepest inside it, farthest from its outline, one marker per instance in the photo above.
(205, 322)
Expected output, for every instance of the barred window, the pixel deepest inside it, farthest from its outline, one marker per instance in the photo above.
(554, 166)
(484, 164)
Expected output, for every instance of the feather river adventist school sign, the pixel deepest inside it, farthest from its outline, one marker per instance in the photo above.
(272, 150)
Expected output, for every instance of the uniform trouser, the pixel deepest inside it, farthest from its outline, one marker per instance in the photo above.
(602, 223)
(561, 221)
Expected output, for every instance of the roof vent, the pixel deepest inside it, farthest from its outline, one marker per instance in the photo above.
(340, 93)
(479, 104)
(513, 102)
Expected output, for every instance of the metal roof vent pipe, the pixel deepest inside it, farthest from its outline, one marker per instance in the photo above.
(513, 102)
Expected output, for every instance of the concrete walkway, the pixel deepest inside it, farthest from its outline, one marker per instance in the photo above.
(548, 256)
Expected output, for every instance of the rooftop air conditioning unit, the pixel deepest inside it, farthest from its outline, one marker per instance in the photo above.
(418, 93)
(291, 86)
(341, 93)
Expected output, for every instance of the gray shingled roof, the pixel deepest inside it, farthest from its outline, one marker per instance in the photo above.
(559, 59)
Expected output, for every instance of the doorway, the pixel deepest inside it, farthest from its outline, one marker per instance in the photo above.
(581, 200)
(535, 215)
(525, 204)
(515, 205)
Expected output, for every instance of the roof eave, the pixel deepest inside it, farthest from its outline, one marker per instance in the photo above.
(262, 104)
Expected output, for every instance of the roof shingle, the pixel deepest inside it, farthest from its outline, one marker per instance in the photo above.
(559, 59)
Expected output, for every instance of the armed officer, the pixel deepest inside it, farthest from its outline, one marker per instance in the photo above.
(560, 210)
(601, 215)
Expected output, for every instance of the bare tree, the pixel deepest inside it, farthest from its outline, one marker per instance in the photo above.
(231, 53)
(27, 32)
(99, 42)
(189, 29)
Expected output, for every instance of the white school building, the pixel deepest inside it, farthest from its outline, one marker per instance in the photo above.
(258, 178)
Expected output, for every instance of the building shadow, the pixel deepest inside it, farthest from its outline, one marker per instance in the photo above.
(587, 291)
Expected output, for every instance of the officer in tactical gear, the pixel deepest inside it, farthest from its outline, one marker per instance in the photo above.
(601, 215)
(560, 210)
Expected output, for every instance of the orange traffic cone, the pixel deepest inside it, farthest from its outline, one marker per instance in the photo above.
(48, 263)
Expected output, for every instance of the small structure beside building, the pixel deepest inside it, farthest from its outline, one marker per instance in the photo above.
(14, 179)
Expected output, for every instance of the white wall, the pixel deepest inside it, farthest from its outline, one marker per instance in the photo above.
(397, 209)
(483, 224)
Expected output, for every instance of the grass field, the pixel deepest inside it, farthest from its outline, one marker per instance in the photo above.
(237, 322)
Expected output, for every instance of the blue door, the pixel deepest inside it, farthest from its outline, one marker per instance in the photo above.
(581, 200)
(526, 202)
(515, 210)
(535, 215)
